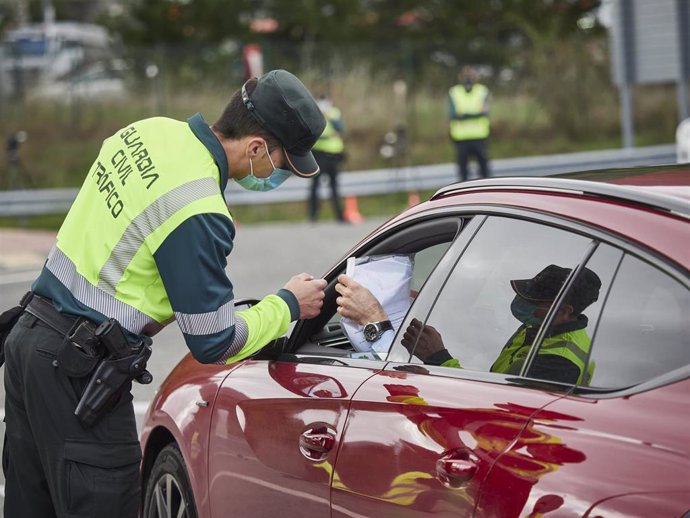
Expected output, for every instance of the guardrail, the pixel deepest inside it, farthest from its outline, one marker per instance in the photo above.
(376, 181)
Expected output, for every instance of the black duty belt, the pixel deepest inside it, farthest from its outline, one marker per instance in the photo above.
(79, 330)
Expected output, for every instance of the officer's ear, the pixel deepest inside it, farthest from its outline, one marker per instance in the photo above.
(255, 146)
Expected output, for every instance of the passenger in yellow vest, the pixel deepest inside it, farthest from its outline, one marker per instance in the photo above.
(145, 244)
(563, 355)
(468, 111)
(329, 153)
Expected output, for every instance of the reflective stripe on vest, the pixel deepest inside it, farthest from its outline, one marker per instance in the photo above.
(469, 103)
(147, 179)
(330, 140)
(146, 222)
(573, 346)
(207, 323)
(66, 272)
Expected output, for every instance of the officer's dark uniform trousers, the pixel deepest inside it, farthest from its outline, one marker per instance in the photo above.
(87, 472)
(329, 165)
(468, 148)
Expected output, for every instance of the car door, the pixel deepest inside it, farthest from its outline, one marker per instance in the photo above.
(617, 445)
(277, 422)
(274, 434)
(420, 439)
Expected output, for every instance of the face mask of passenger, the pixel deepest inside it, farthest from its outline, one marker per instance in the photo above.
(524, 310)
(252, 183)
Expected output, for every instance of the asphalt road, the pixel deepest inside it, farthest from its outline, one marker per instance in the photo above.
(262, 261)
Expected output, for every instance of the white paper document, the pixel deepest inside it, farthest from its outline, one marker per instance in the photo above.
(388, 278)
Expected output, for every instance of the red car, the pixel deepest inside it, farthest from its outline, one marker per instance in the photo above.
(310, 427)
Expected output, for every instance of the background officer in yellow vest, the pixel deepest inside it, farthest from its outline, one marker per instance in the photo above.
(469, 122)
(145, 243)
(329, 153)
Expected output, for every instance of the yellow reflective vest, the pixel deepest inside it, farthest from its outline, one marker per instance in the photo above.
(470, 103)
(330, 140)
(571, 345)
(148, 178)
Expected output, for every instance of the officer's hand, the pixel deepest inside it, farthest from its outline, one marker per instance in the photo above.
(421, 340)
(308, 292)
(357, 303)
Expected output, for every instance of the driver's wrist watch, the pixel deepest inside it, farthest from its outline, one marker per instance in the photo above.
(374, 330)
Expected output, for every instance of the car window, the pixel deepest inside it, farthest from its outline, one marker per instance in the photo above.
(423, 263)
(473, 317)
(644, 329)
(565, 348)
(425, 243)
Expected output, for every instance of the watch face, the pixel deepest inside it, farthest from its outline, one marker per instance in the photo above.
(371, 332)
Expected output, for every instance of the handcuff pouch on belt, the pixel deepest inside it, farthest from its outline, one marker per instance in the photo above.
(80, 351)
(121, 363)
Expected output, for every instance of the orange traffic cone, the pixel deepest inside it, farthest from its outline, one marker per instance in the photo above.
(351, 212)
(412, 199)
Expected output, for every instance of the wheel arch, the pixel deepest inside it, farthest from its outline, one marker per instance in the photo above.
(159, 438)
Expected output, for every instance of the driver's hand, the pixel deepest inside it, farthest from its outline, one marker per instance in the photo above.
(357, 303)
(309, 294)
(421, 340)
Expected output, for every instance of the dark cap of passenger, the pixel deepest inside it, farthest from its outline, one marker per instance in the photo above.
(544, 286)
(282, 105)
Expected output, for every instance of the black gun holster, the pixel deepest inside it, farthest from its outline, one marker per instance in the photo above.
(107, 382)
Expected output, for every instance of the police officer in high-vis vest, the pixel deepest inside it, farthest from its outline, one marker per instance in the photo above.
(564, 351)
(468, 111)
(329, 153)
(144, 244)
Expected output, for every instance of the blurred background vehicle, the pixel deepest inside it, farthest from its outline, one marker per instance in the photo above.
(59, 59)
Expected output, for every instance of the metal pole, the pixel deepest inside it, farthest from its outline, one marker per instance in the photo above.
(627, 122)
(683, 17)
(627, 64)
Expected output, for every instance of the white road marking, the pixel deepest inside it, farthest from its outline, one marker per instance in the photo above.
(140, 407)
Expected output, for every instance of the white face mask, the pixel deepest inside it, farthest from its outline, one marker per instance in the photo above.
(277, 177)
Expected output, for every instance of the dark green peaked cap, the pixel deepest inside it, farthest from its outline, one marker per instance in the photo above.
(284, 107)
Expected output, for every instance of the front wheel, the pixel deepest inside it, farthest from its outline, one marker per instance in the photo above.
(168, 491)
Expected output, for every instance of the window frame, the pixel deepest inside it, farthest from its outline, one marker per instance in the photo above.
(666, 378)
(479, 213)
(377, 244)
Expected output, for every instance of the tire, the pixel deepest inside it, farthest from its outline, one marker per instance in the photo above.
(168, 491)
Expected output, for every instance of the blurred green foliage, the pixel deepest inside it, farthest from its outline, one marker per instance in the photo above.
(545, 61)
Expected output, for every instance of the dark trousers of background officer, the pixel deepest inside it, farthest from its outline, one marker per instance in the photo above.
(53, 466)
(466, 149)
(329, 164)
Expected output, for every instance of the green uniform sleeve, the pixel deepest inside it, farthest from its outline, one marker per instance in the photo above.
(453, 362)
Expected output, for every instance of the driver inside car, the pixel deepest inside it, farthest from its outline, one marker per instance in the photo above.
(565, 347)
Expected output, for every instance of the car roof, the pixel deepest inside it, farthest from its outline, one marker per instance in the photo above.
(666, 188)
